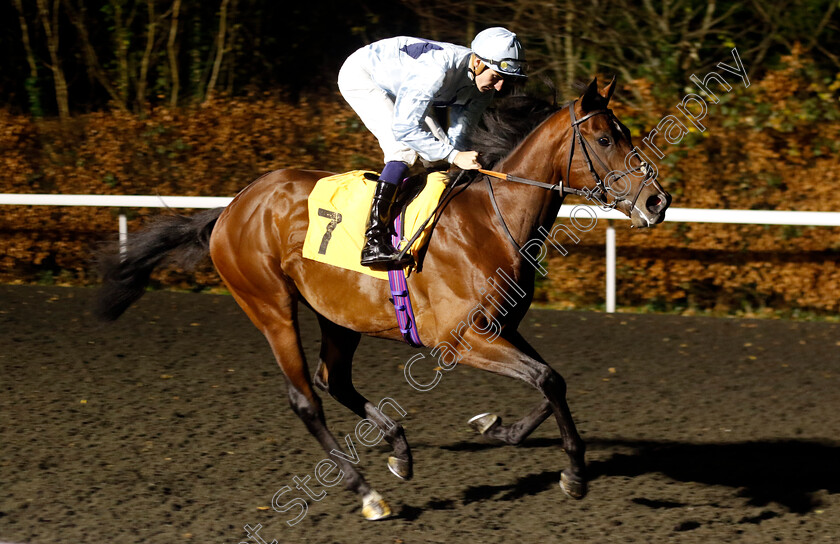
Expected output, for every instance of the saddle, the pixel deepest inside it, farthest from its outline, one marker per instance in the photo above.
(338, 210)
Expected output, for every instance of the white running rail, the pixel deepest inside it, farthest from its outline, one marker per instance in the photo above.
(683, 215)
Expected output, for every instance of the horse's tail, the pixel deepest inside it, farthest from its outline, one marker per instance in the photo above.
(183, 239)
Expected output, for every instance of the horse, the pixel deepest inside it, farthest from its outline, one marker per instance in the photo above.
(256, 244)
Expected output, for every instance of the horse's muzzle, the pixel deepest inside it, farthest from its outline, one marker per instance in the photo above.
(652, 212)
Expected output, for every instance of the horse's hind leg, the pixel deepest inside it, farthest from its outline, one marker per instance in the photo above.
(279, 324)
(335, 376)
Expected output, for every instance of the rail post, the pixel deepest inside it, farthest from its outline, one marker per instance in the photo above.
(123, 234)
(610, 267)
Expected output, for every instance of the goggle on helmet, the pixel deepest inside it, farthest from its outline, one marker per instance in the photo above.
(500, 50)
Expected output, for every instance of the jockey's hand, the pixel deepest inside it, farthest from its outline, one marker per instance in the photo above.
(467, 160)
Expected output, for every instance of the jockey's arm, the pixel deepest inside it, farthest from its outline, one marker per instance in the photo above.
(411, 106)
(463, 119)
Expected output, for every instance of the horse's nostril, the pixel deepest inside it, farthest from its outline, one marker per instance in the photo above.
(655, 203)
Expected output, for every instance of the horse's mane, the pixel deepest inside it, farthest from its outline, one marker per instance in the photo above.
(506, 123)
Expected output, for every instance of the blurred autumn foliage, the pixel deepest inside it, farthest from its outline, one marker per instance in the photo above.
(214, 149)
(770, 146)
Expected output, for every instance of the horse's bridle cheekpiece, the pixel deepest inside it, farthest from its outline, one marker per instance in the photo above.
(598, 193)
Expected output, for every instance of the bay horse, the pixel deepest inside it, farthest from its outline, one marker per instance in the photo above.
(256, 246)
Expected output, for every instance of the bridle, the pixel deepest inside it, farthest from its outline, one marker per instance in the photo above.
(597, 193)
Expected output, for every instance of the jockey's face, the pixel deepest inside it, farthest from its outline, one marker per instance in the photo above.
(488, 79)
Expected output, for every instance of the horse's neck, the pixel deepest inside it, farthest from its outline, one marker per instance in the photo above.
(525, 207)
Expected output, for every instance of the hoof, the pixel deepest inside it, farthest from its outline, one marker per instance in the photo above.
(572, 487)
(401, 469)
(374, 507)
(483, 422)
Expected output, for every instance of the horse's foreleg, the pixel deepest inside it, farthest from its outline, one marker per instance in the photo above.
(503, 357)
(490, 425)
(334, 376)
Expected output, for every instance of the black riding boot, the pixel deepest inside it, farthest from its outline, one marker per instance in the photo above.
(378, 252)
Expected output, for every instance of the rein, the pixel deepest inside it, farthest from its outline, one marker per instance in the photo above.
(552, 187)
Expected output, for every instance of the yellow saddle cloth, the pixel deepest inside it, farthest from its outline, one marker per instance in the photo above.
(338, 212)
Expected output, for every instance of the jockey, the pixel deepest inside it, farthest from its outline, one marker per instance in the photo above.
(392, 84)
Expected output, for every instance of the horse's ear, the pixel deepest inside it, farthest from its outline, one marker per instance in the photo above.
(591, 99)
(609, 89)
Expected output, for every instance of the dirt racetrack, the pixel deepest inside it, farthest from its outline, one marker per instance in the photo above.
(172, 426)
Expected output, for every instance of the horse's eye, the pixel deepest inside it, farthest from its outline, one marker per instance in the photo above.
(604, 141)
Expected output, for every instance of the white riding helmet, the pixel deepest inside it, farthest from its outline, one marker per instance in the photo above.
(500, 50)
